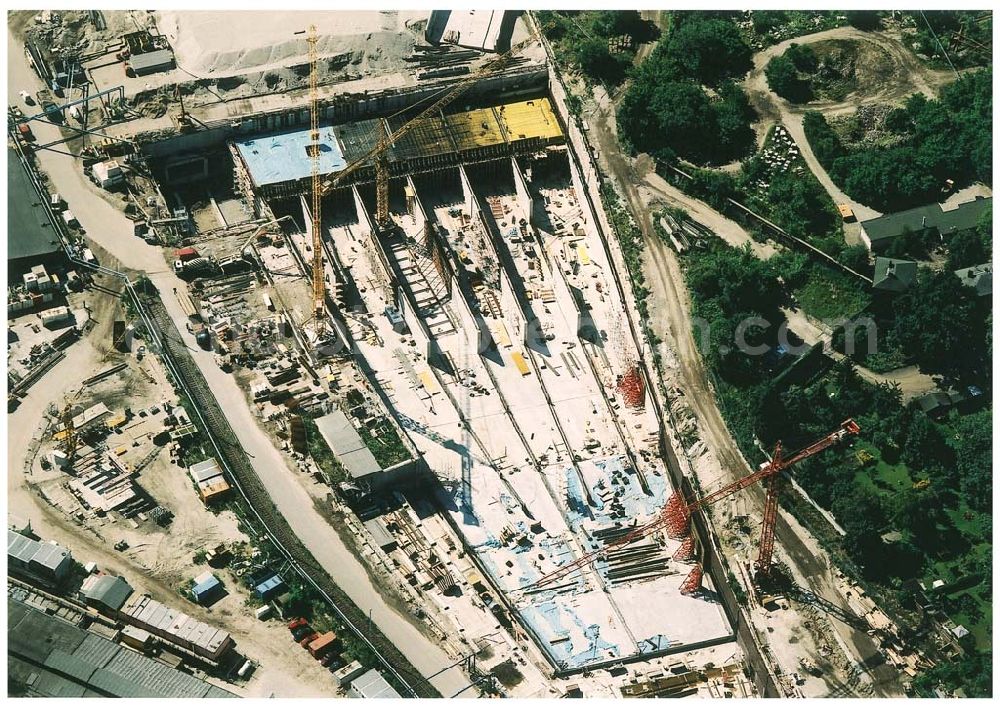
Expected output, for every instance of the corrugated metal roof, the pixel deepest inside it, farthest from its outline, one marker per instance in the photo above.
(108, 590)
(206, 469)
(36, 640)
(69, 665)
(52, 556)
(347, 445)
(372, 684)
(41, 682)
(96, 650)
(158, 60)
(20, 547)
(149, 678)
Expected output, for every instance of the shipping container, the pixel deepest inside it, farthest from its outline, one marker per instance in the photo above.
(322, 644)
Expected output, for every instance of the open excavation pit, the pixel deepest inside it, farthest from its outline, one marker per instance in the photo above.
(488, 317)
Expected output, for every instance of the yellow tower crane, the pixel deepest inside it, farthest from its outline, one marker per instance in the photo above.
(319, 299)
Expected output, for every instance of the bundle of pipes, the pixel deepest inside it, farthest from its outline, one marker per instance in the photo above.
(635, 563)
(607, 534)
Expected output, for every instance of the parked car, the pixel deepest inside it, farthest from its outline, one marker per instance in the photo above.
(27, 98)
(299, 632)
(329, 659)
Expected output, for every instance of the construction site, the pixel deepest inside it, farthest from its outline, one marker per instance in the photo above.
(398, 259)
(465, 328)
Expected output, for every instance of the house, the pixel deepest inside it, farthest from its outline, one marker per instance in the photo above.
(270, 587)
(372, 684)
(151, 62)
(108, 174)
(979, 278)
(209, 479)
(893, 275)
(936, 404)
(878, 233)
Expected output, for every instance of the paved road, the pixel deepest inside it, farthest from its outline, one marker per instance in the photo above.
(671, 313)
(112, 230)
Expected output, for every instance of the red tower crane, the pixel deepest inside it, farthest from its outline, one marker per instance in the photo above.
(675, 517)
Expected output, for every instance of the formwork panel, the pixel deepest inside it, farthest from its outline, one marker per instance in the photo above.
(475, 129)
(525, 120)
(357, 139)
(428, 138)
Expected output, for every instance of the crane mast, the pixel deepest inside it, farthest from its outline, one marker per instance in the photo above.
(319, 297)
(676, 514)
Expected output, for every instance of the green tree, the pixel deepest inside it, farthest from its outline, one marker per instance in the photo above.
(709, 50)
(972, 672)
(973, 443)
(966, 249)
(924, 443)
(938, 322)
(596, 61)
(864, 19)
(803, 57)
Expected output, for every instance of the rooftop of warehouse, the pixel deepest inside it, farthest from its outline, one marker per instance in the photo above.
(282, 157)
(29, 231)
(346, 443)
(372, 684)
(109, 590)
(50, 657)
(931, 216)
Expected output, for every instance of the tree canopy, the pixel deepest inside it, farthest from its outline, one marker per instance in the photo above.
(933, 141)
(938, 320)
(708, 50)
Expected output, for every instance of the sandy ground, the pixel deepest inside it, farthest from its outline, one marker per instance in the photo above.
(215, 44)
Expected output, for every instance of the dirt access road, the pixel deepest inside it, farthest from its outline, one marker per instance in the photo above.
(911, 381)
(672, 321)
(913, 77)
(113, 231)
(282, 671)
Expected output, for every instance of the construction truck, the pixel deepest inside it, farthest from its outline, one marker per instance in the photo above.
(186, 269)
(52, 111)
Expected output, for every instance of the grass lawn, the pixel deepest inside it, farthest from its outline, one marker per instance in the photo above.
(829, 294)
